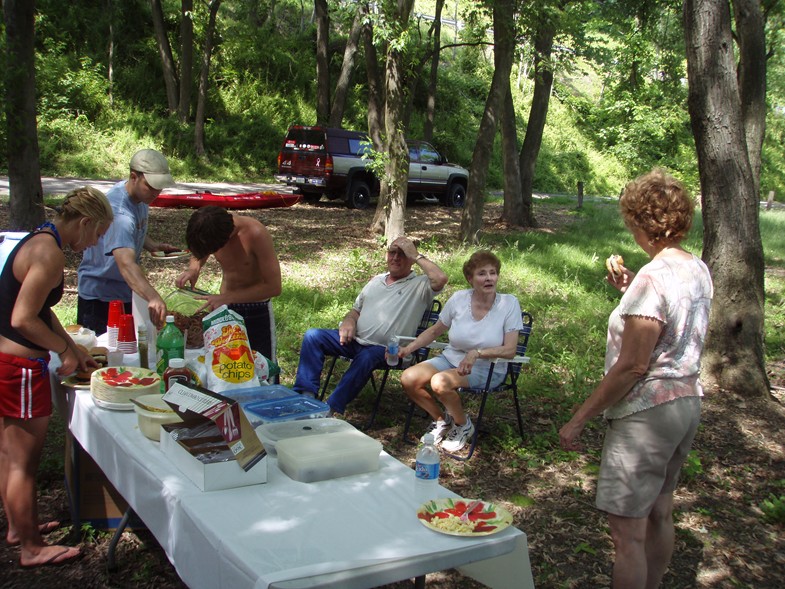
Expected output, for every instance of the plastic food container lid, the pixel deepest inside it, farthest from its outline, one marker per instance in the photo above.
(272, 433)
(290, 408)
(259, 393)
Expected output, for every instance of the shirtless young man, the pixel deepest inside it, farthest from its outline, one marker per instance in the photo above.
(251, 273)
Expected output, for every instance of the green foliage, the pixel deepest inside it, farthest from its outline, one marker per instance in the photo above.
(584, 547)
(692, 467)
(522, 500)
(89, 533)
(773, 509)
(618, 106)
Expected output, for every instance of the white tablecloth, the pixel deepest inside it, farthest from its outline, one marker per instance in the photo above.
(358, 531)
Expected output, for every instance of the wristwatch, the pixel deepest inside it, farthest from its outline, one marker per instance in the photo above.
(418, 257)
(479, 353)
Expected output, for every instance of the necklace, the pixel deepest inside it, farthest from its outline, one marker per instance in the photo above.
(51, 226)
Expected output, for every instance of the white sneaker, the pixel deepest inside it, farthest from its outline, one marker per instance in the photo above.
(439, 429)
(458, 435)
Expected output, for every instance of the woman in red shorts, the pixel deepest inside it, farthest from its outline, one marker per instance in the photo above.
(31, 283)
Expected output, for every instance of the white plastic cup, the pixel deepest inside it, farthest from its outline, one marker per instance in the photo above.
(115, 357)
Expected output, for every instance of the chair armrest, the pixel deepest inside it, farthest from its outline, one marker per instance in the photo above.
(514, 359)
(405, 339)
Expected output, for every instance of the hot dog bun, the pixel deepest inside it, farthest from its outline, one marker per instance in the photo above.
(614, 264)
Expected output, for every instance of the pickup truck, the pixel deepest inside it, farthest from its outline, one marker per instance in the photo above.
(323, 161)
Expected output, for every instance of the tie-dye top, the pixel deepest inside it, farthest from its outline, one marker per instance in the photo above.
(677, 293)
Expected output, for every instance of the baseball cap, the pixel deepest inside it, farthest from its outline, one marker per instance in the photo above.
(154, 166)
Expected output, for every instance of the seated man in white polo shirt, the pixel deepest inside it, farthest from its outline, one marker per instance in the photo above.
(392, 303)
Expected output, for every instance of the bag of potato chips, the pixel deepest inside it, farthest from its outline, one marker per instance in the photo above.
(228, 355)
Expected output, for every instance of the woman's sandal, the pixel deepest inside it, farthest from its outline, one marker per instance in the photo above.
(66, 555)
(43, 529)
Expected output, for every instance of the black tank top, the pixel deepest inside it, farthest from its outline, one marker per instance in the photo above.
(9, 291)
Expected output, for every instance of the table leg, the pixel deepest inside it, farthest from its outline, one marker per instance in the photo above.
(111, 565)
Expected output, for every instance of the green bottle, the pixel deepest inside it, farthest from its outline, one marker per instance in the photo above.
(170, 343)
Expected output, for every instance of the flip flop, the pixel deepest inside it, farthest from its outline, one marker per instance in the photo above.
(43, 529)
(58, 559)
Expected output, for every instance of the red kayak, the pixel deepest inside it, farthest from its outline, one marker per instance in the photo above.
(246, 200)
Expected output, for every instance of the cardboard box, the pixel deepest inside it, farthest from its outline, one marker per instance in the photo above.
(212, 419)
(92, 498)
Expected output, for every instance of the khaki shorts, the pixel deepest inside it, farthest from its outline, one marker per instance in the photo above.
(643, 454)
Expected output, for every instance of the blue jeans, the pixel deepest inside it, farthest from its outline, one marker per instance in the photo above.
(319, 342)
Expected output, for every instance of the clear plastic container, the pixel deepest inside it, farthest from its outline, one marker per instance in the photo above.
(272, 433)
(247, 395)
(286, 409)
(319, 458)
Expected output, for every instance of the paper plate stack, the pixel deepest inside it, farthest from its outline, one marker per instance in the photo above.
(115, 386)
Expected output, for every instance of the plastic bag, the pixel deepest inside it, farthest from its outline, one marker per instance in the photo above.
(229, 359)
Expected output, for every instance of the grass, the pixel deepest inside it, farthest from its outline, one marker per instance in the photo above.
(554, 274)
(557, 275)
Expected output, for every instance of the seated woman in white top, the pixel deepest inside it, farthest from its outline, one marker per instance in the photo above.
(482, 324)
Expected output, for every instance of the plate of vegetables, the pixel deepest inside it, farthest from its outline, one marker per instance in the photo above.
(463, 517)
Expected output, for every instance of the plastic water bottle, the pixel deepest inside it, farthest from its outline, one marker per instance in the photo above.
(426, 471)
(169, 344)
(392, 352)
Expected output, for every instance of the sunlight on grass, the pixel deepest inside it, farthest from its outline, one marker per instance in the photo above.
(558, 276)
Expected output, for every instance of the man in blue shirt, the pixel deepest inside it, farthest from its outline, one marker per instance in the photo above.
(110, 270)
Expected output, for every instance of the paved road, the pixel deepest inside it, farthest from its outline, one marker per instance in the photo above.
(64, 185)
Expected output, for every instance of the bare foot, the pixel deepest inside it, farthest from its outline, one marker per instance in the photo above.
(46, 528)
(51, 556)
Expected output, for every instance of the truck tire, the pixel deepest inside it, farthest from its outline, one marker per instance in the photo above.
(456, 196)
(359, 196)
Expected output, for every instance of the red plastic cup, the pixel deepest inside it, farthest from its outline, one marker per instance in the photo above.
(116, 309)
(127, 331)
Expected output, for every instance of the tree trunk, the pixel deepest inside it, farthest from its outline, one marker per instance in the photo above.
(165, 51)
(504, 41)
(24, 170)
(375, 118)
(110, 67)
(517, 210)
(391, 208)
(322, 62)
(186, 58)
(543, 82)
(733, 357)
(751, 38)
(204, 78)
(430, 108)
(345, 77)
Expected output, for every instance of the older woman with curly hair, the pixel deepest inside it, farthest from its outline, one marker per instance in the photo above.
(483, 324)
(650, 395)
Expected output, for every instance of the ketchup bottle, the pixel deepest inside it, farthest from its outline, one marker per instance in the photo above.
(176, 372)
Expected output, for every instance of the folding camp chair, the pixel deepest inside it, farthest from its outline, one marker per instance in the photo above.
(429, 318)
(510, 383)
